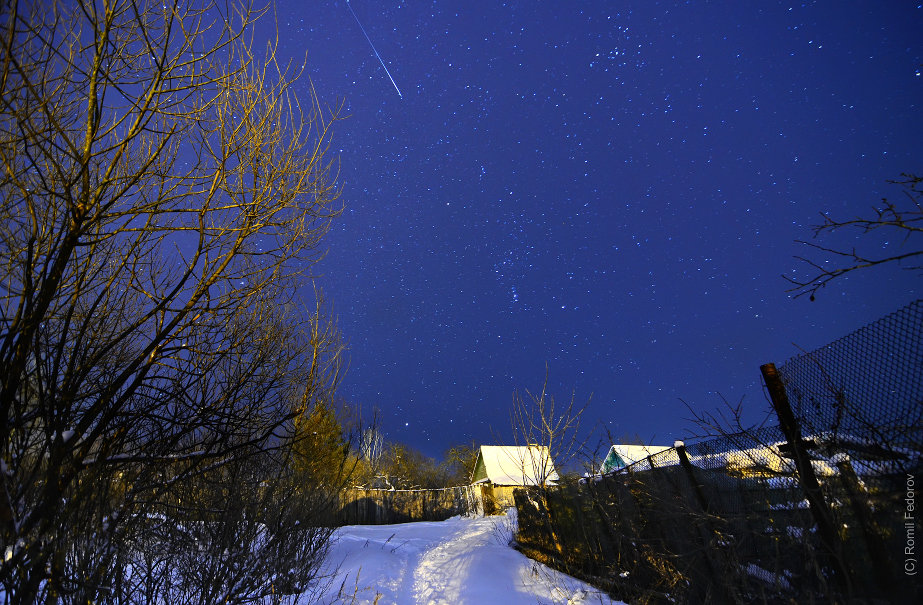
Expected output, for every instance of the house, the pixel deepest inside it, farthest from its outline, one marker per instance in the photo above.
(760, 461)
(764, 460)
(620, 456)
(500, 469)
(768, 460)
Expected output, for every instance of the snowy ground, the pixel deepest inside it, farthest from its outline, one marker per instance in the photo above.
(462, 560)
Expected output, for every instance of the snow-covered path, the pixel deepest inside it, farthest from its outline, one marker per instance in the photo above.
(462, 560)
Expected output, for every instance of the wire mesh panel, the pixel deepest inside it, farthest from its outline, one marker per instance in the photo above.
(863, 394)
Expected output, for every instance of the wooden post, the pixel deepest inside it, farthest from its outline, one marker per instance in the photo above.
(823, 518)
(687, 466)
(878, 552)
(716, 558)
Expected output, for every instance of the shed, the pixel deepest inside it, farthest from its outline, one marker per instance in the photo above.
(500, 469)
(621, 455)
(514, 465)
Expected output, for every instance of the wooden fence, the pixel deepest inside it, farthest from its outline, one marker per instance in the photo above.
(381, 506)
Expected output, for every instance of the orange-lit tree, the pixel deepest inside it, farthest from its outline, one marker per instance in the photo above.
(162, 192)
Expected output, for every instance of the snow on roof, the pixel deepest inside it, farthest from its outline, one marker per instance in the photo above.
(621, 455)
(867, 456)
(514, 465)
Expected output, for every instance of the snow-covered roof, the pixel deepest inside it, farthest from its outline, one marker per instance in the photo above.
(867, 456)
(621, 455)
(514, 465)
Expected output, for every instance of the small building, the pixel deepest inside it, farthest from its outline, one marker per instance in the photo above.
(500, 469)
(620, 456)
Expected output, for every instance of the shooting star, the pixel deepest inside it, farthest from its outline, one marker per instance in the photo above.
(393, 83)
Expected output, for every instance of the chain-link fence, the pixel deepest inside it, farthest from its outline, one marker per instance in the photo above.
(813, 510)
(863, 394)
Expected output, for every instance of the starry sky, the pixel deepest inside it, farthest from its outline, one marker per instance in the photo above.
(609, 189)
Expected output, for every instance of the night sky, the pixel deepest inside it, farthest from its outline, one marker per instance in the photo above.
(608, 188)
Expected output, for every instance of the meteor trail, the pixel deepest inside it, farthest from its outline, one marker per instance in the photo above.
(393, 83)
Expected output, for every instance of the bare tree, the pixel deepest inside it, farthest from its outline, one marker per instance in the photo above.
(162, 191)
(547, 434)
(458, 463)
(898, 221)
(538, 420)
